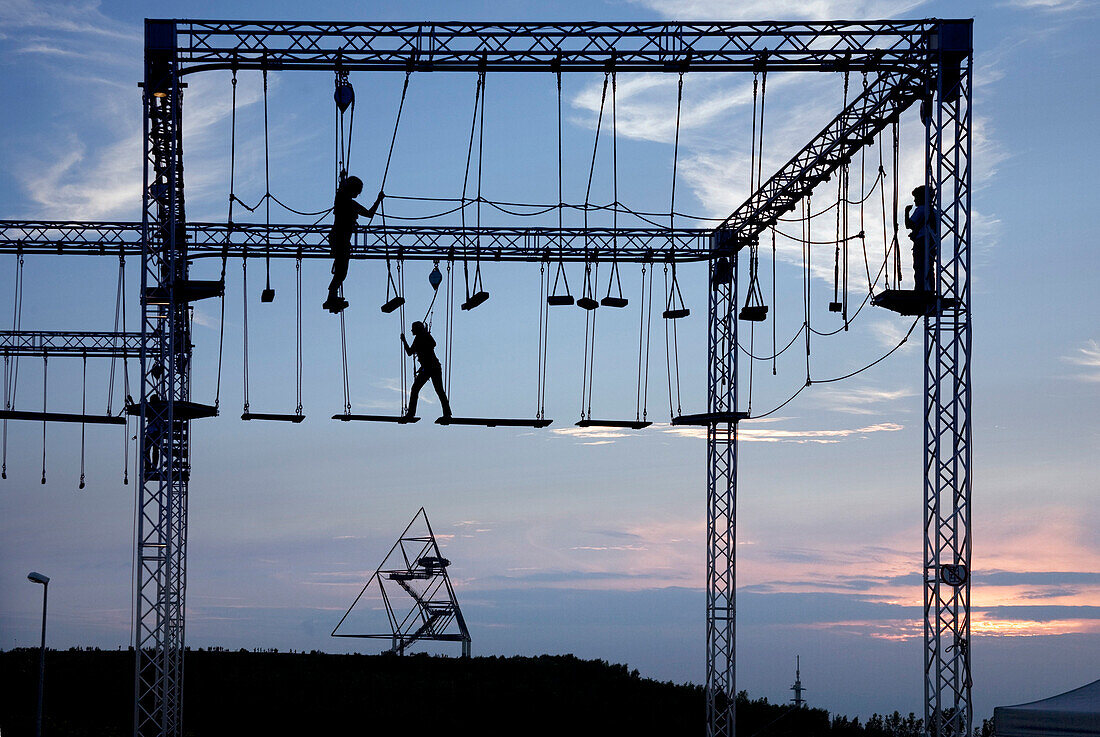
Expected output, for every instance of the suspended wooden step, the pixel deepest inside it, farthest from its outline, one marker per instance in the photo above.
(493, 422)
(477, 299)
(11, 414)
(184, 410)
(676, 314)
(559, 300)
(631, 424)
(397, 419)
(614, 301)
(273, 416)
(910, 302)
(835, 307)
(753, 313)
(267, 295)
(587, 303)
(393, 304)
(705, 419)
(188, 291)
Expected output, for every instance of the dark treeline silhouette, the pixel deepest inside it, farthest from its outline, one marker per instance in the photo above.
(90, 693)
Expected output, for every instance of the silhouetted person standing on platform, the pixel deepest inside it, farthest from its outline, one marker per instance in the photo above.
(423, 346)
(923, 222)
(345, 213)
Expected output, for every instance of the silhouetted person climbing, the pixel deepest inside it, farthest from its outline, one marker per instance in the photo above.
(345, 213)
(423, 346)
(923, 223)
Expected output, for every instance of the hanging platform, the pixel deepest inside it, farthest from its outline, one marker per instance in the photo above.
(276, 417)
(184, 410)
(493, 422)
(910, 302)
(393, 304)
(560, 300)
(12, 414)
(710, 418)
(587, 303)
(676, 314)
(267, 295)
(835, 307)
(753, 313)
(614, 301)
(396, 419)
(477, 299)
(188, 291)
(630, 424)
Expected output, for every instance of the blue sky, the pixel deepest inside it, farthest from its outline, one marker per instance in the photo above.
(562, 540)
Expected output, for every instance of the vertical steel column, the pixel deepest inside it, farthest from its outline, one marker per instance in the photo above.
(721, 504)
(947, 485)
(166, 381)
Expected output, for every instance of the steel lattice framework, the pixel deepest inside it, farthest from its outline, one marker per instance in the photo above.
(929, 61)
(424, 243)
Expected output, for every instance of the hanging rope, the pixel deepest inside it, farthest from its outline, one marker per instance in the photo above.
(882, 200)
(894, 243)
(544, 337)
(672, 357)
(221, 329)
(344, 363)
(83, 412)
(806, 283)
(403, 356)
(298, 353)
(268, 293)
(382, 189)
(671, 313)
(587, 300)
(478, 115)
(45, 389)
(449, 325)
(232, 147)
(244, 311)
(11, 363)
(125, 379)
(645, 323)
(614, 278)
(560, 273)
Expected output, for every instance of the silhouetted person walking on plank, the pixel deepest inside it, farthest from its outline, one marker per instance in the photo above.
(345, 213)
(423, 346)
(923, 223)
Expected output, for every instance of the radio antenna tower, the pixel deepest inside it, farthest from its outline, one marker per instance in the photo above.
(798, 701)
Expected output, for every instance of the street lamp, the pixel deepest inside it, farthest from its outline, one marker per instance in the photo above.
(35, 577)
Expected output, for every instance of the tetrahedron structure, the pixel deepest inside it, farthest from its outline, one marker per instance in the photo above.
(412, 586)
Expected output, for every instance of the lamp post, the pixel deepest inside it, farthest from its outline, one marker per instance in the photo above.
(45, 581)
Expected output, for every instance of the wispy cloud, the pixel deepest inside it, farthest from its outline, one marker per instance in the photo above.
(1053, 6)
(860, 400)
(772, 435)
(785, 9)
(1088, 358)
(67, 17)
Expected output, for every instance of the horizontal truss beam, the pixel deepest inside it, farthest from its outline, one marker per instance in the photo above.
(206, 240)
(570, 47)
(70, 343)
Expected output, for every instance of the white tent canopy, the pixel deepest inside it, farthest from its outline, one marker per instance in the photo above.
(1075, 713)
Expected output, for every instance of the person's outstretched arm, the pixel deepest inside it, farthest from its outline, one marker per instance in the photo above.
(368, 212)
(408, 348)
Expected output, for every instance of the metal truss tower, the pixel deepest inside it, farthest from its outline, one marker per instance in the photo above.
(947, 483)
(925, 61)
